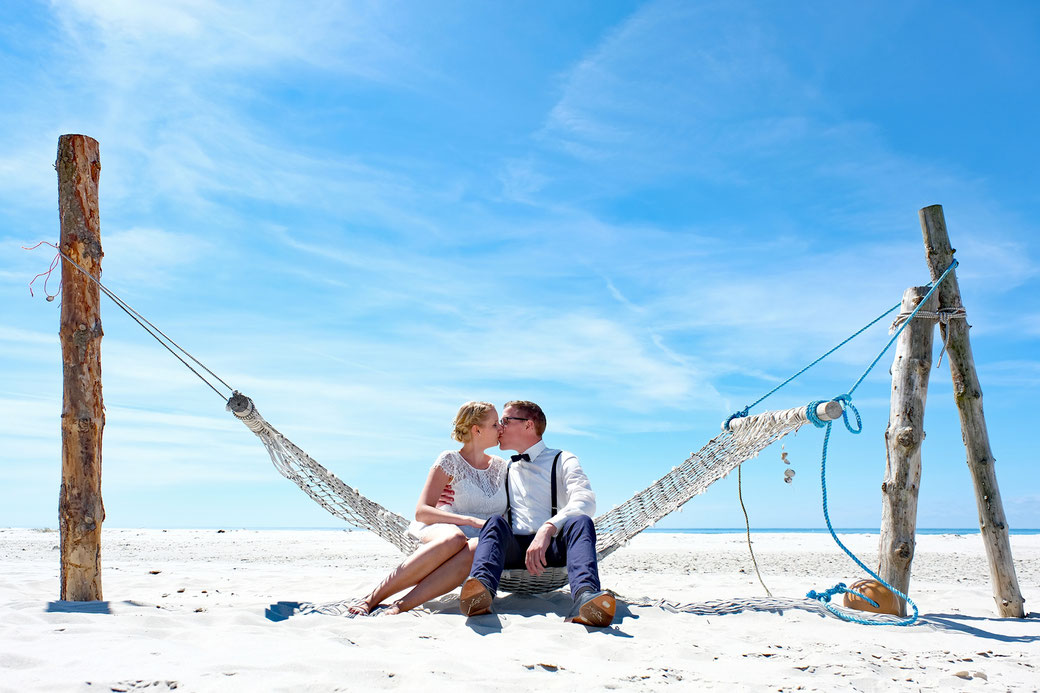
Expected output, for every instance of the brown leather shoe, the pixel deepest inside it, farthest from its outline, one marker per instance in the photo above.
(475, 599)
(594, 609)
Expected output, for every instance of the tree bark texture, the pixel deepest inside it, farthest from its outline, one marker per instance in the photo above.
(903, 438)
(80, 509)
(968, 395)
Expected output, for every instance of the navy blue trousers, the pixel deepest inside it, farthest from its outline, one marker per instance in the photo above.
(573, 546)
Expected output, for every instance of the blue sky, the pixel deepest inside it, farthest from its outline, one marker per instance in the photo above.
(642, 215)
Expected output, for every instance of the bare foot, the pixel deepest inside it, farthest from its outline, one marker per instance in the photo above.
(360, 607)
(393, 609)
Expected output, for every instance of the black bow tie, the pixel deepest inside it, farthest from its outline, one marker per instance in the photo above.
(517, 458)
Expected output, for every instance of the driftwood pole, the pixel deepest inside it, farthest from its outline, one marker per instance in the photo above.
(910, 370)
(968, 396)
(80, 510)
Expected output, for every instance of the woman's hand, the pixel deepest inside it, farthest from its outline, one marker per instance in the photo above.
(477, 523)
(447, 496)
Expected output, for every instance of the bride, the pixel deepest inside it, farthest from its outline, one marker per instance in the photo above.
(448, 532)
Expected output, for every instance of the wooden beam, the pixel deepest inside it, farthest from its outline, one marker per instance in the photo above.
(910, 371)
(80, 509)
(968, 395)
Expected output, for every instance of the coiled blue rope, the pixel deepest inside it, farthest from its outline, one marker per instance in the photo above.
(825, 597)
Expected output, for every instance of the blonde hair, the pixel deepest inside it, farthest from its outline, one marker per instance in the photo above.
(470, 414)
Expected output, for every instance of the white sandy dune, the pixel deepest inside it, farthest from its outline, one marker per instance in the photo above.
(188, 610)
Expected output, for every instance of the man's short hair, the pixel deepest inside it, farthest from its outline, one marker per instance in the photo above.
(531, 411)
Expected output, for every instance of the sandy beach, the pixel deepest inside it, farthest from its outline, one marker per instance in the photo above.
(188, 610)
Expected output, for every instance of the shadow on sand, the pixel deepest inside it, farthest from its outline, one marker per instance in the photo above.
(778, 605)
(64, 607)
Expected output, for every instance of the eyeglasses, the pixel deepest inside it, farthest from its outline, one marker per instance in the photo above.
(506, 419)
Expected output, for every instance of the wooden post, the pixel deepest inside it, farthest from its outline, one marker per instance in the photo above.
(968, 396)
(80, 510)
(903, 438)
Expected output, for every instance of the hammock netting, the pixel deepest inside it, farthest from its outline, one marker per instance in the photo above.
(746, 438)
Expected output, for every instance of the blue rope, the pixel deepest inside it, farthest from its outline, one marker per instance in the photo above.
(825, 597)
(744, 412)
(934, 285)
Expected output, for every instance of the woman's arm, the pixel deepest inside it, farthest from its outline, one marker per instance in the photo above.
(426, 510)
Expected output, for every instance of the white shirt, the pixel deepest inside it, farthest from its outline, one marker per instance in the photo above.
(530, 490)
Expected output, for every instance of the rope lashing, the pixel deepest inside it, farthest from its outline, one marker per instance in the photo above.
(913, 314)
(156, 334)
(738, 415)
(943, 315)
(846, 405)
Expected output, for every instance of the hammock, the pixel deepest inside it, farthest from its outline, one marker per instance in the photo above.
(745, 439)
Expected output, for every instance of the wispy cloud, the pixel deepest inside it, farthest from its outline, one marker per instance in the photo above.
(361, 217)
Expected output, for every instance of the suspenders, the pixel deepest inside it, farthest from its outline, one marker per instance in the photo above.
(552, 479)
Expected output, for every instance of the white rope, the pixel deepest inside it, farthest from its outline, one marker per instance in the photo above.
(943, 316)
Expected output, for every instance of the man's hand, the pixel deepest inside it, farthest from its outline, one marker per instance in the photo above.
(447, 496)
(536, 551)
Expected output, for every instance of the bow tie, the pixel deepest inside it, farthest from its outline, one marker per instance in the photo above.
(517, 458)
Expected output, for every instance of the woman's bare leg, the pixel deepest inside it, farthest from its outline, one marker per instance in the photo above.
(433, 553)
(444, 579)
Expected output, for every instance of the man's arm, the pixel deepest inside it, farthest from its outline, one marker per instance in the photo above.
(577, 492)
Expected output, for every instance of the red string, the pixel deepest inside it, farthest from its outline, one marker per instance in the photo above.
(47, 274)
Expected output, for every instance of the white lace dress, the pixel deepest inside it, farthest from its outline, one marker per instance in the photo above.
(479, 493)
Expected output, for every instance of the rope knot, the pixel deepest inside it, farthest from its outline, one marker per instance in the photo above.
(810, 413)
(840, 588)
(846, 406)
(736, 415)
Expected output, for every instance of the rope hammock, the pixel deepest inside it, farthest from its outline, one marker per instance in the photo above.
(746, 438)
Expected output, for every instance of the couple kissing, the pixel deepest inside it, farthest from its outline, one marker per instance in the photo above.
(479, 514)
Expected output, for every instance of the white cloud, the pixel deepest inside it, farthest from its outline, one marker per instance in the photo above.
(1015, 373)
(148, 255)
(234, 35)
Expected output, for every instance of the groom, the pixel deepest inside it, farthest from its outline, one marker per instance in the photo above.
(547, 522)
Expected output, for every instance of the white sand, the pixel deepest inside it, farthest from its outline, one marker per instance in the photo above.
(198, 624)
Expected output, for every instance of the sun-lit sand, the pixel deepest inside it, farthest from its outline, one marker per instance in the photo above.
(187, 609)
